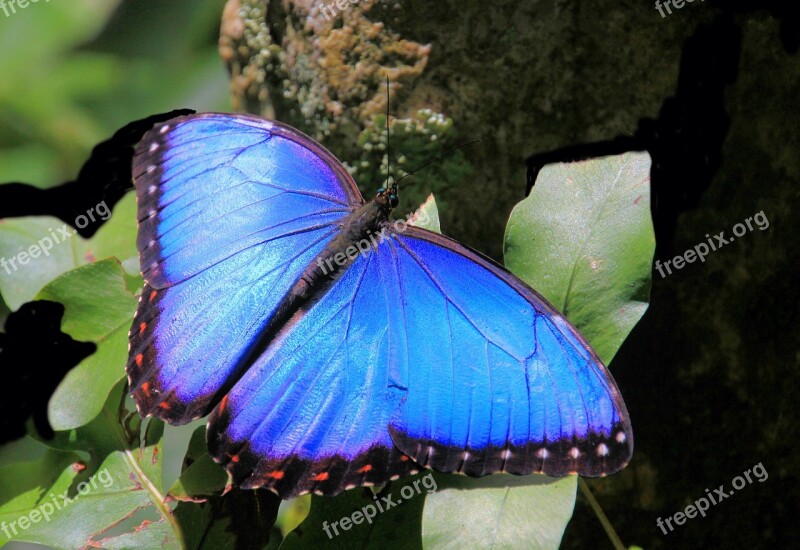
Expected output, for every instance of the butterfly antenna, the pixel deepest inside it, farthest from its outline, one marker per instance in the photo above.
(439, 157)
(388, 150)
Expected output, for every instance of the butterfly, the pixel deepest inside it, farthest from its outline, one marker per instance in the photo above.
(326, 363)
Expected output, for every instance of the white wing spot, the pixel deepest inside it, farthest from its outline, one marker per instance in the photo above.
(505, 455)
(602, 450)
(413, 472)
(153, 147)
(350, 486)
(151, 168)
(574, 453)
(621, 437)
(394, 477)
(164, 129)
(152, 189)
(542, 453)
(151, 214)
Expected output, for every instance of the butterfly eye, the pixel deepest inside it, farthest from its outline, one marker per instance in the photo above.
(393, 201)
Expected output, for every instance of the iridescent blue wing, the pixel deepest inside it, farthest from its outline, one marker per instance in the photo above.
(423, 349)
(231, 209)
(498, 380)
(312, 413)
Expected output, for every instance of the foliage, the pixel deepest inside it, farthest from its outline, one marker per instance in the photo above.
(76, 71)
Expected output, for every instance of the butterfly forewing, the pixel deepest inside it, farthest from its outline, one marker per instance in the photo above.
(231, 210)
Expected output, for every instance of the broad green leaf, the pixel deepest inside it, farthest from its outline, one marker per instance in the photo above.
(49, 248)
(85, 499)
(506, 512)
(360, 519)
(95, 300)
(33, 252)
(97, 308)
(23, 465)
(584, 240)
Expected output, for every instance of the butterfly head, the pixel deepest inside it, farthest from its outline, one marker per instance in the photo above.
(387, 198)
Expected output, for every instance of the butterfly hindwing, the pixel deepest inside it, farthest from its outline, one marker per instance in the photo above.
(312, 413)
(498, 379)
(231, 210)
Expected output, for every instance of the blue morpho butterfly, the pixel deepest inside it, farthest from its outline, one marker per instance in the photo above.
(321, 374)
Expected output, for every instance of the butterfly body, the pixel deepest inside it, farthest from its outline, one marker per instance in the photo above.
(332, 347)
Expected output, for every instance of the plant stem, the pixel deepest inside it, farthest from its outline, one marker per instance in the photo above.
(609, 529)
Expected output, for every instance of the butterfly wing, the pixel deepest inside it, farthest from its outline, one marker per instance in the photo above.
(423, 349)
(312, 413)
(231, 209)
(498, 380)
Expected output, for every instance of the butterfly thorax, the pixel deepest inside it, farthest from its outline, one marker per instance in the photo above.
(359, 233)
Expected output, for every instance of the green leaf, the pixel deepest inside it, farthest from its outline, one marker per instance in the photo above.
(506, 512)
(395, 525)
(584, 240)
(23, 463)
(97, 308)
(426, 216)
(237, 519)
(200, 477)
(49, 248)
(117, 237)
(33, 252)
(242, 518)
(84, 499)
